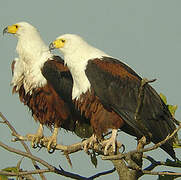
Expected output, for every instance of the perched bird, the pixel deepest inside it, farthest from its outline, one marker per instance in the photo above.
(102, 83)
(34, 79)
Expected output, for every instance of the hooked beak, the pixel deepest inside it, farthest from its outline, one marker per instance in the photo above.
(51, 46)
(5, 30)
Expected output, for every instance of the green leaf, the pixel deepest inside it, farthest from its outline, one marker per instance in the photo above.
(175, 145)
(172, 109)
(167, 177)
(163, 97)
(176, 163)
(11, 169)
(3, 177)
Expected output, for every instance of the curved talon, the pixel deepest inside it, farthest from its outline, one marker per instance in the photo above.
(34, 146)
(51, 146)
(36, 138)
(122, 145)
(110, 142)
(88, 143)
(51, 151)
(50, 142)
(39, 145)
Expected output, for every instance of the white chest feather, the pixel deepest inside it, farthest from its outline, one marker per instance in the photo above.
(77, 65)
(27, 70)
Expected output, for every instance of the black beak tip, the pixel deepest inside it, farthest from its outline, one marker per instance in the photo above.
(51, 47)
(5, 30)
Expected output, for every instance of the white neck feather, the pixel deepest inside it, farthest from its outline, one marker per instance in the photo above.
(77, 62)
(33, 53)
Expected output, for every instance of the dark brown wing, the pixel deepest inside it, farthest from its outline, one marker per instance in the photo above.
(60, 78)
(117, 86)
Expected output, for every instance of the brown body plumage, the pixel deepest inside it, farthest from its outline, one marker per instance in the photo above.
(102, 84)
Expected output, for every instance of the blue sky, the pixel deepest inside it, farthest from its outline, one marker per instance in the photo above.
(144, 34)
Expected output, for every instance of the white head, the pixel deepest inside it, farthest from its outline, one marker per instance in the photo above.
(29, 40)
(32, 52)
(19, 29)
(77, 53)
(74, 46)
(68, 43)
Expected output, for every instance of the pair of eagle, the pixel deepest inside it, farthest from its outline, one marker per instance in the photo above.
(87, 89)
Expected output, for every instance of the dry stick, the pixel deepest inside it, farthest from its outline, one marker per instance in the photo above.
(25, 154)
(44, 163)
(155, 163)
(67, 149)
(161, 173)
(102, 173)
(24, 172)
(120, 156)
(50, 167)
(158, 173)
(24, 145)
(140, 104)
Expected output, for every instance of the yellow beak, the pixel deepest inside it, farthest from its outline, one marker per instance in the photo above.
(56, 44)
(11, 29)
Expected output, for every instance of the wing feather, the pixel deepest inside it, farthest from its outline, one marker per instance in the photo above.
(117, 87)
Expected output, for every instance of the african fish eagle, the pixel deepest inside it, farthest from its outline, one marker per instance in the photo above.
(34, 79)
(103, 83)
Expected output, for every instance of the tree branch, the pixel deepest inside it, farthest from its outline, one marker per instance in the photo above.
(25, 154)
(102, 173)
(23, 173)
(120, 156)
(67, 149)
(24, 145)
(44, 163)
(155, 163)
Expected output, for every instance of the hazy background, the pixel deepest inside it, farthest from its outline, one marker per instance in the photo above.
(144, 34)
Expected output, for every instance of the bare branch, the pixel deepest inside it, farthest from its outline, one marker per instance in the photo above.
(140, 105)
(161, 173)
(67, 149)
(102, 173)
(25, 154)
(23, 173)
(120, 156)
(155, 163)
(24, 145)
(44, 163)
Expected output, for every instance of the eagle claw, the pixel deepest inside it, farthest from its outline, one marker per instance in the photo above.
(35, 139)
(51, 143)
(110, 142)
(88, 143)
(107, 144)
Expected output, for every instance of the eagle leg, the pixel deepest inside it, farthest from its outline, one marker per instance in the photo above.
(110, 142)
(51, 141)
(88, 143)
(36, 138)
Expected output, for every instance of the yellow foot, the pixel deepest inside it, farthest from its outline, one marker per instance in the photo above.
(51, 142)
(88, 143)
(36, 138)
(111, 142)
